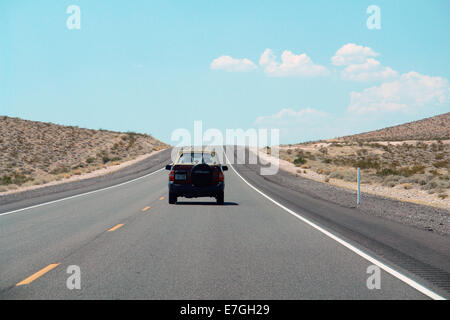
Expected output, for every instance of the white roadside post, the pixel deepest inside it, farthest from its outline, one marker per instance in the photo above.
(358, 197)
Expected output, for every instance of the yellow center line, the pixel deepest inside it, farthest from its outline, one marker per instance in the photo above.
(146, 208)
(162, 198)
(38, 274)
(116, 227)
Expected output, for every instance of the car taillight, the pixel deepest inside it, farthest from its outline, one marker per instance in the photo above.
(172, 175)
(221, 176)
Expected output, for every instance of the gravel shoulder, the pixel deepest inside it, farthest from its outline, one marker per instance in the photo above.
(425, 217)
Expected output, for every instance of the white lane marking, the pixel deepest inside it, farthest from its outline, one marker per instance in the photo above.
(81, 194)
(380, 264)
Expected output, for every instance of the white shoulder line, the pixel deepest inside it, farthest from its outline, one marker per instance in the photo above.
(81, 194)
(380, 264)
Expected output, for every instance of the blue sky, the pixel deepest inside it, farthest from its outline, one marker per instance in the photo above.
(147, 66)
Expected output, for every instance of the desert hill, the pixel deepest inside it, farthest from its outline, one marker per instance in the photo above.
(434, 128)
(33, 152)
(407, 161)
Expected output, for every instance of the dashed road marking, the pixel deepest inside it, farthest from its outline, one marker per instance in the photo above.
(116, 227)
(38, 274)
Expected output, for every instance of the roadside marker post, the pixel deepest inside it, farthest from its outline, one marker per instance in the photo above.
(358, 197)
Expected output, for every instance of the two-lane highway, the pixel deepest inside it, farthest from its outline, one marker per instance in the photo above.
(129, 243)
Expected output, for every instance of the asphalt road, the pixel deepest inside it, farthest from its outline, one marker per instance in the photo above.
(250, 248)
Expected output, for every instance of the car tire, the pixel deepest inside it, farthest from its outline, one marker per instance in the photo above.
(172, 198)
(220, 198)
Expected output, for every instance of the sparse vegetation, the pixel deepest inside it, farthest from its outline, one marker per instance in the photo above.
(299, 161)
(414, 164)
(34, 153)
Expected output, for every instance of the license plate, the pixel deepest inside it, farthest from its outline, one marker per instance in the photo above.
(180, 176)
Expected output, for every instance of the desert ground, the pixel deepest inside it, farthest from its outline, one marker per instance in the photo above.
(405, 165)
(36, 153)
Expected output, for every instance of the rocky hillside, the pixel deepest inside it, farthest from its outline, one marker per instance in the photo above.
(34, 152)
(414, 155)
(434, 128)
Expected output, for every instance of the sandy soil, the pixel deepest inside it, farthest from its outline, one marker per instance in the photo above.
(100, 172)
(397, 192)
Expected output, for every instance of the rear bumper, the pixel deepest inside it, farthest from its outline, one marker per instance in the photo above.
(190, 191)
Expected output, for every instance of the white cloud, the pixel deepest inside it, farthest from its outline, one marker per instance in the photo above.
(360, 64)
(291, 65)
(410, 92)
(370, 70)
(352, 54)
(230, 64)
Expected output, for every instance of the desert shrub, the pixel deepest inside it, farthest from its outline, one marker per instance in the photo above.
(366, 164)
(336, 175)
(81, 165)
(390, 179)
(6, 180)
(20, 178)
(17, 178)
(434, 147)
(349, 175)
(409, 171)
(59, 170)
(422, 182)
(404, 171)
(131, 137)
(439, 156)
(391, 184)
(361, 152)
(434, 172)
(386, 172)
(90, 160)
(441, 164)
(299, 161)
(406, 180)
(430, 185)
(376, 145)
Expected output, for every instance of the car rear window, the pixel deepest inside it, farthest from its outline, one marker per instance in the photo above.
(196, 157)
